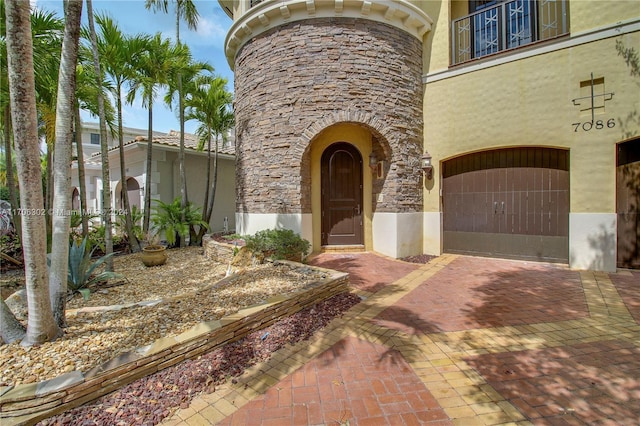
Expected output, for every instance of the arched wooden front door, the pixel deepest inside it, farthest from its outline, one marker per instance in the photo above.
(341, 195)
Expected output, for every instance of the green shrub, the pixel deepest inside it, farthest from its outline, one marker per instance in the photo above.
(277, 244)
(167, 218)
(97, 240)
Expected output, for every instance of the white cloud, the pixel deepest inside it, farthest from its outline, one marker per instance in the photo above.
(211, 28)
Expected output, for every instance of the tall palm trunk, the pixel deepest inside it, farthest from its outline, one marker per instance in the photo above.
(48, 190)
(104, 147)
(41, 326)
(210, 189)
(61, 217)
(81, 175)
(11, 180)
(184, 198)
(133, 241)
(147, 179)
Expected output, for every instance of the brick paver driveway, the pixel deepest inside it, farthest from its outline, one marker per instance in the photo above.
(460, 340)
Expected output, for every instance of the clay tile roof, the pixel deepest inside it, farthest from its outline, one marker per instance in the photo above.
(190, 142)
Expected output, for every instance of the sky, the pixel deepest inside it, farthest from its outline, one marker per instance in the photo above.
(206, 44)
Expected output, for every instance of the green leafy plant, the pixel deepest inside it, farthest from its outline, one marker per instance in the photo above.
(75, 224)
(277, 244)
(167, 218)
(82, 267)
(136, 219)
(96, 238)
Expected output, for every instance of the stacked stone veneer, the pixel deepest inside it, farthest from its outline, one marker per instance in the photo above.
(300, 78)
(29, 403)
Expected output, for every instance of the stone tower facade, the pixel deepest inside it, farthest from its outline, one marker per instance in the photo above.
(319, 77)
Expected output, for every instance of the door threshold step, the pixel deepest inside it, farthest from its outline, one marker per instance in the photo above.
(342, 248)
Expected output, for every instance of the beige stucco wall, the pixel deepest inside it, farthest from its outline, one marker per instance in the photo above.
(525, 98)
(529, 102)
(589, 14)
(224, 206)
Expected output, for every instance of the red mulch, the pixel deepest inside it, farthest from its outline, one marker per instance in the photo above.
(149, 400)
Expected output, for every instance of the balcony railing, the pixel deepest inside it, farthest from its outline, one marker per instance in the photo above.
(507, 25)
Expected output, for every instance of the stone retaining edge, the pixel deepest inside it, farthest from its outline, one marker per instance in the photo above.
(30, 403)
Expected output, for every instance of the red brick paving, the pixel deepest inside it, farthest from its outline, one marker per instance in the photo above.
(628, 287)
(473, 293)
(367, 271)
(595, 382)
(358, 381)
(589, 383)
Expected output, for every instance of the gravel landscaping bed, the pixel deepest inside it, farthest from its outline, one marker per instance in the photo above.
(149, 400)
(96, 336)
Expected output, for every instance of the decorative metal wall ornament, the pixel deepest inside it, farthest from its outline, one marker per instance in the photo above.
(592, 97)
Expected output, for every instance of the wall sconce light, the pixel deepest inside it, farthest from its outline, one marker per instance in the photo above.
(426, 166)
(373, 161)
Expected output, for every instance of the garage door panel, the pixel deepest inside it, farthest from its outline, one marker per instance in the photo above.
(628, 204)
(514, 207)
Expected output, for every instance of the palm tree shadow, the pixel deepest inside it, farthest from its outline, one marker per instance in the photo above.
(525, 295)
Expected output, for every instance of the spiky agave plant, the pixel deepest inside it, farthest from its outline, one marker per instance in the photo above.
(82, 267)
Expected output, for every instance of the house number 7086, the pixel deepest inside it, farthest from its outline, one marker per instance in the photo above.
(598, 125)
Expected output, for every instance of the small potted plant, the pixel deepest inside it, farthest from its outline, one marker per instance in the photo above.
(153, 253)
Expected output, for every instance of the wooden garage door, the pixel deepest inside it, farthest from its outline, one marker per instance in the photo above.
(511, 203)
(628, 204)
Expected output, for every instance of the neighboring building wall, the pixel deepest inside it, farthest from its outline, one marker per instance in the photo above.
(526, 98)
(165, 180)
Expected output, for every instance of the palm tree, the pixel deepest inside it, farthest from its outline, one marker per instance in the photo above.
(210, 104)
(183, 76)
(41, 326)
(65, 107)
(47, 30)
(104, 147)
(185, 9)
(152, 72)
(117, 52)
(6, 122)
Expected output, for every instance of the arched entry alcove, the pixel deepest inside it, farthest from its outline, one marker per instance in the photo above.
(75, 199)
(133, 191)
(345, 147)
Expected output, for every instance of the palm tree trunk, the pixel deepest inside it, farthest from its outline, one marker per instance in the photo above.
(184, 200)
(214, 185)
(104, 147)
(11, 180)
(147, 180)
(206, 208)
(133, 241)
(48, 190)
(41, 326)
(61, 185)
(81, 175)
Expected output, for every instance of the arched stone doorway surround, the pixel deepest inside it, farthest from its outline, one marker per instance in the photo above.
(343, 127)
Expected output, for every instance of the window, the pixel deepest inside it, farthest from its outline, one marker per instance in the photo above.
(495, 26)
(95, 139)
